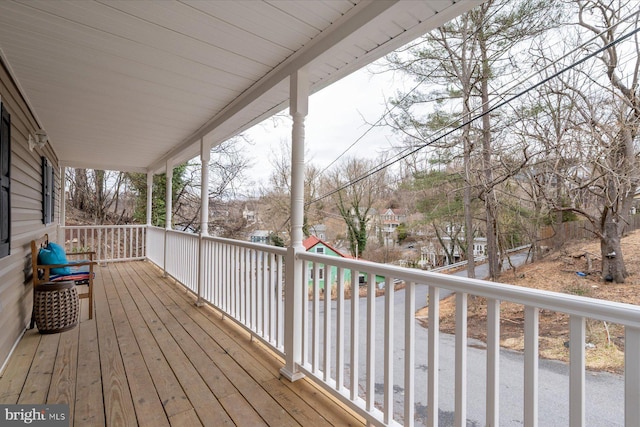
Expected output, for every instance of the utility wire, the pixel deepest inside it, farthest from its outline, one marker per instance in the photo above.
(504, 101)
(372, 126)
(499, 105)
(401, 155)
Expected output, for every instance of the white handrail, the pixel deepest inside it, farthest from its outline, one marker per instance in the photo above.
(609, 311)
(109, 242)
(359, 392)
(351, 355)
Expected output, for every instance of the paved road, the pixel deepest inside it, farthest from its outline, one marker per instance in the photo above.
(604, 392)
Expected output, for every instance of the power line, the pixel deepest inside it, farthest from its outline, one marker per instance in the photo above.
(504, 101)
(402, 155)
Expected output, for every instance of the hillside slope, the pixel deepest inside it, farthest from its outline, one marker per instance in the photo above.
(558, 272)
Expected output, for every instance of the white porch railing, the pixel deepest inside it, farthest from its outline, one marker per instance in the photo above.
(181, 254)
(242, 280)
(246, 282)
(155, 245)
(110, 242)
(368, 353)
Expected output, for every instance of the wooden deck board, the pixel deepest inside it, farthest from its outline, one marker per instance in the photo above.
(11, 386)
(62, 388)
(169, 390)
(150, 357)
(37, 383)
(89, 405)
(147, 405)
(118, 404)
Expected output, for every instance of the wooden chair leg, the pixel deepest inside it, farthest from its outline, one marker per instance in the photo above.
(90, 300)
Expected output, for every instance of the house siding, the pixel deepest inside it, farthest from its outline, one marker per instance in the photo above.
(16, 296)
(330, 273)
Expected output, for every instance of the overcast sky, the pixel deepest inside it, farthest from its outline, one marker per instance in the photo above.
(338, 116)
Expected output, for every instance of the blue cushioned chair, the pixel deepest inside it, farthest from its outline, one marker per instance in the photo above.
(50, 264)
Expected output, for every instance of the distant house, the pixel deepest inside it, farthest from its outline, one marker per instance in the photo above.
(315, 245)
(391, 219)
(260, 236)
(433, 255)
(387, 223)
(318, 230)
(249, 215)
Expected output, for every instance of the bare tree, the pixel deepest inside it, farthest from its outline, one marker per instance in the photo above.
(595, 171)
(276, 197)
(355, 190)
(617, 166)
(465, 61)
(97, 193)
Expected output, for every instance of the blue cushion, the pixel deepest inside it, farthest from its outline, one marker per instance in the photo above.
(54, 254)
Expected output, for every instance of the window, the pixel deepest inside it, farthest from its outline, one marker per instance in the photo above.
(5, 182)
(47, 191)
(319, 250)
(320, 273)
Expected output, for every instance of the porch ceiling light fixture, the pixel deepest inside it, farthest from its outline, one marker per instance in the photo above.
(39, 141)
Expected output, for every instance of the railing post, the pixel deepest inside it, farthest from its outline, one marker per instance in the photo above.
(201, 268)
(294, 283)
(293, 287)
(631, 376)
(493, 363)
(576, 371)
(531, 320)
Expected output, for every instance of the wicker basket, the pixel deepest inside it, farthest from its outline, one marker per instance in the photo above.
(56, 307)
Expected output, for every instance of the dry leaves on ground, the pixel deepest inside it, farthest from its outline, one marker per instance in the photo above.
(558, 272)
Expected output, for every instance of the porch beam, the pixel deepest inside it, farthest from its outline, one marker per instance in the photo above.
(294, 285)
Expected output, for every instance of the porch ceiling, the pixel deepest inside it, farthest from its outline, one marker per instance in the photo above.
(127, 85)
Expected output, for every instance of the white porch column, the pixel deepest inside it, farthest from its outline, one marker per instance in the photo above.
(294, 285)
(168, 207)
(149, 198)
(169, 196)
(205, 156)
(62, 220)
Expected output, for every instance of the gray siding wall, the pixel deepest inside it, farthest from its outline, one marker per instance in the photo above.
(16, 291)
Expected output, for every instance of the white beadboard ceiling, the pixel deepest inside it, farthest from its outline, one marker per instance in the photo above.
(127, 85)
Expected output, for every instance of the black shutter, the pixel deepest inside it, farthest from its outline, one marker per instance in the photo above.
(5, 182)
(52, 180)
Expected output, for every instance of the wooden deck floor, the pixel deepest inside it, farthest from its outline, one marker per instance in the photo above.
(149, 357)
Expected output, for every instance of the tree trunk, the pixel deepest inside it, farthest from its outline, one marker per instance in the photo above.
(466, 201)
(79, 197)
(489, 195)
(613, 269)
